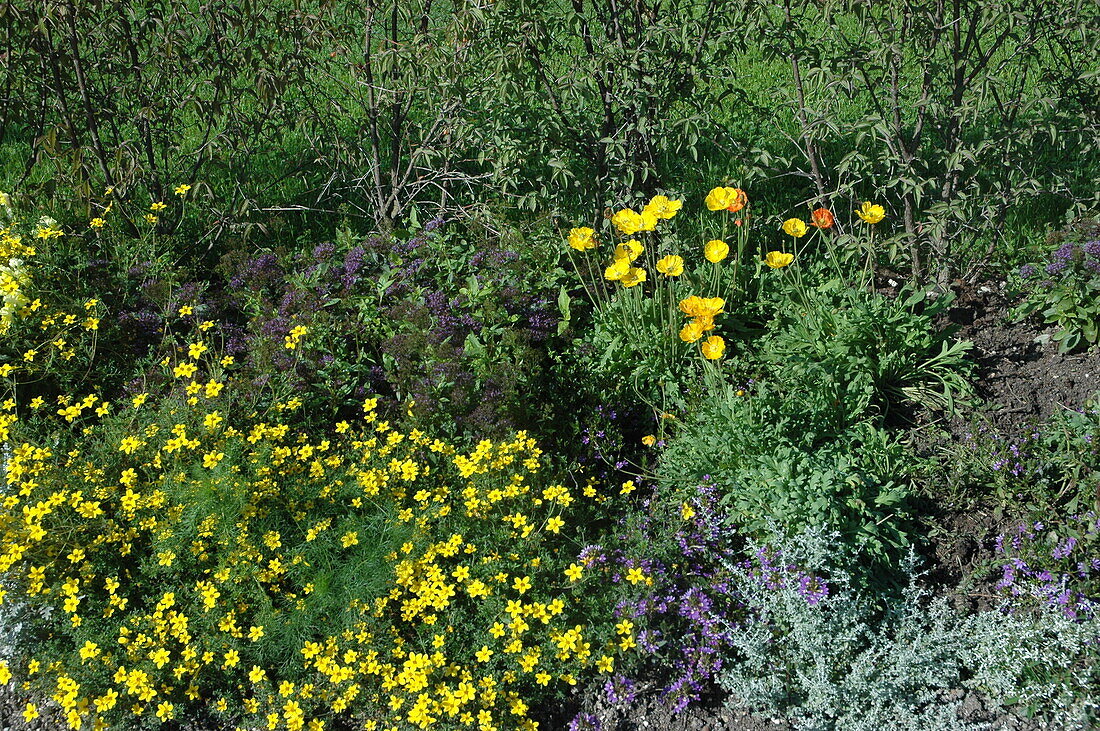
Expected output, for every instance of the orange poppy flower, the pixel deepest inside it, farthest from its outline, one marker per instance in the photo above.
(822, 218)
(740, 198)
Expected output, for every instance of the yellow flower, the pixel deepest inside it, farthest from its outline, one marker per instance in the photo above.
(686, 511)
(628, 221)
(691, 331)
(794, 227)
(729, 199)
(671, 265)
(573, 573)
(649, 220)
(617, 271)
(649, 440)
(483, 654)
(777, 259)
(522, 584)
(605, 664)
(871, 213)
(662, 207)
(30, 712)
(158, 206)
(629, 250)
(716, 250)
(150, 218)
(97, 223)
(181, 190)
(635, 575)
(702, 308)
(582, 238)
(633, 276)
(714, 347)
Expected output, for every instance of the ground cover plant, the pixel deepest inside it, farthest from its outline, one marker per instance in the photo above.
(418, 364)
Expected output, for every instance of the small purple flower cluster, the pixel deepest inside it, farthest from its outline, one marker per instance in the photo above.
(692, 596)
(1058, 568)
(1086, 256)
(1004, 455)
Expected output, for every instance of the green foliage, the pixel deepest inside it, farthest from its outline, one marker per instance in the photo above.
(932, 107)
(777, 463)
(864, 351)
(1067, 293)
(623, 96)
(1048, 470)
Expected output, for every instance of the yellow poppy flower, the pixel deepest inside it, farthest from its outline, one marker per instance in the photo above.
(633, 276)
(648, 219)
(627, 221)
(691, 332)
(671, 266)
(662, 207)
(871, 213)
(582, 238)
(629, 250)
(729, 199)
(777, 259)
(714, 347)
(716, 250)
(794, 227)
(618, 270)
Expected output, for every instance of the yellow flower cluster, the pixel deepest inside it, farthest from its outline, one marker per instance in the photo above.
(174, 557)
(14, 277)
(702, 311)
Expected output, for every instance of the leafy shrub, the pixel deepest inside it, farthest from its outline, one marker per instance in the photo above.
(185, 553)
(864, 351)
(773, 462)
(1066, 290)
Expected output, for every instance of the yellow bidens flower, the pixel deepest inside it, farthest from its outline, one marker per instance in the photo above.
(150, 218)
(871, 213)
(158, 206)
(794, 227)
(97, 223)
(716, 250)
(649, 440)
(671, 266)
(714, 347)
(295, 336)
(582, 238)
(728, 199)
(777, 259)
(181, 190)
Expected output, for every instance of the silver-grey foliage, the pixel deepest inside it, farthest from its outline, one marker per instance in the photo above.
(862, 663)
